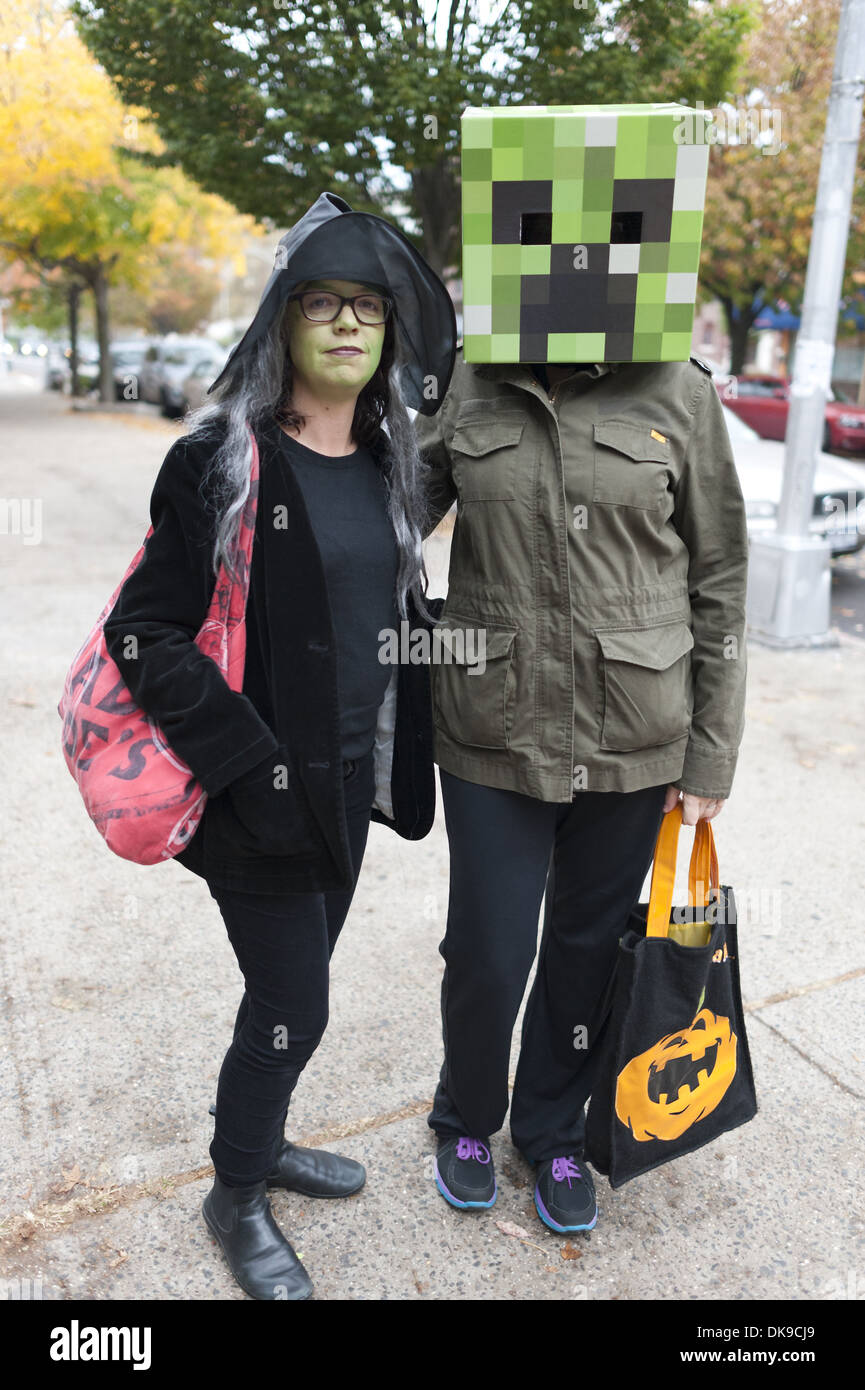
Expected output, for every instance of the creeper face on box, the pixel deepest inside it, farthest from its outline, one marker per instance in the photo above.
(581, 232)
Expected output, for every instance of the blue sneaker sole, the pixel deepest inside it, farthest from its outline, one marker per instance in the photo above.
(455, 1202)
(554, 1225)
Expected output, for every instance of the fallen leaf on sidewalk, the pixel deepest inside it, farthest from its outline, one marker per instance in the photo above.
(72, 1177)
(570, 1252)
(508, 1228)
(108, 1249)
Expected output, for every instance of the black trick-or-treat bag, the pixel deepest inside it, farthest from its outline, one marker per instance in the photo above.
(675, 1070)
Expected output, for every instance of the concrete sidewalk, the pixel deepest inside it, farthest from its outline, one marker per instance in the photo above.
(120, 990)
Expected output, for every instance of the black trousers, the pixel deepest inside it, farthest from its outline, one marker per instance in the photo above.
(283, 943)
(591, 856)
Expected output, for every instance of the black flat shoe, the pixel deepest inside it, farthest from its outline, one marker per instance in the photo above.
(258, 1254)
(315, 1173)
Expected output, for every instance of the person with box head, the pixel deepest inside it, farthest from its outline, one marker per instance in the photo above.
(600, 544)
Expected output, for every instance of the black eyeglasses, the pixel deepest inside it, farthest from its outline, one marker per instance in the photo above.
(322, 306)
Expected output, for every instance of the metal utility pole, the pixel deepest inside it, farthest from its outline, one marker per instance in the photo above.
(789, 581)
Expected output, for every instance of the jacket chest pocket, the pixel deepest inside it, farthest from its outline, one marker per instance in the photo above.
(629, 465)
(647, 685)
(484, 455)
(473, 700)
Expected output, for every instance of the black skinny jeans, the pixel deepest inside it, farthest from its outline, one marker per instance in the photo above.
(283, 943)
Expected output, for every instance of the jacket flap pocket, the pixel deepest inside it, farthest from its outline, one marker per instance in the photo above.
(657, 647)
(470, 644)
(481, 434)
(632, 439)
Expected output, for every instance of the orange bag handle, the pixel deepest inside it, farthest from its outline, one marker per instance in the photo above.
(702, 875)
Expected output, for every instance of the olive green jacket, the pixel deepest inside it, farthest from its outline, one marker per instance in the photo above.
(601, 544)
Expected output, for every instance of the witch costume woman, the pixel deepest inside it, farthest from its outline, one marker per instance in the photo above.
(353, 327)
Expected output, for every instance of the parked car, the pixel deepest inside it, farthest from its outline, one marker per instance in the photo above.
(195, 386)
(839, 488)
(166, 364)
(126, 360)
(57, 367)
(88, 370)
(763, 402)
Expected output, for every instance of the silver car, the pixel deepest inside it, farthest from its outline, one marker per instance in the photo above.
(195, 386)
(839, 488)
(165, 366)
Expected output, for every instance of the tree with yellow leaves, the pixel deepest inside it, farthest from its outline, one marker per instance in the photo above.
(74, 199)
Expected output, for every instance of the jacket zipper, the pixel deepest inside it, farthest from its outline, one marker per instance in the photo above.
(550, 402)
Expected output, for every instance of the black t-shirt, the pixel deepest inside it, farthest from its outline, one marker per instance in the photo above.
(346, 499)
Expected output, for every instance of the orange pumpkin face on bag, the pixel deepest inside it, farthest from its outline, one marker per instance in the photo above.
(677, 1081)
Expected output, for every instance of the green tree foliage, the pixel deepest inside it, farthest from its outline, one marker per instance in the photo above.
(269, 104)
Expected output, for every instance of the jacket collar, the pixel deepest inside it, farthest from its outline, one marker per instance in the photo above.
(520, 372)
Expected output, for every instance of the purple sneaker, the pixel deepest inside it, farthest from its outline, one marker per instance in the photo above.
(464, 1172)
(565, 1195)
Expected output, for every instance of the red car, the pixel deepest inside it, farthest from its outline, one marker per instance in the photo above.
(763, 402)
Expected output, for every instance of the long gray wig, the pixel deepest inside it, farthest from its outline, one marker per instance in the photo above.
(259, 390)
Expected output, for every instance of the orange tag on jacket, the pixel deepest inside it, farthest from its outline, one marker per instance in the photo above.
(662, 438)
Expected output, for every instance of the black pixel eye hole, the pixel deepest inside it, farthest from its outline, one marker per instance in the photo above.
(536, 228)
(626, 227)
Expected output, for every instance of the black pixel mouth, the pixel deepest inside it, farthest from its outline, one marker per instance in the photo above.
(666, 1082)
(589, 296)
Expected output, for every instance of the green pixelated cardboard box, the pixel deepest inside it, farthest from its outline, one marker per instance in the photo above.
(581, 230)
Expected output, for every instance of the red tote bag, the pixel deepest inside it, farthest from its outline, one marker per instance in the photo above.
(142, 798)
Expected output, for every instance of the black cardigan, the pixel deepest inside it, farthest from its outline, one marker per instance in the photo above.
(289, 693)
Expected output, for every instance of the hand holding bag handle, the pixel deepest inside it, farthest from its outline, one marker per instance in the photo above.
(703, 870)
(702, 876)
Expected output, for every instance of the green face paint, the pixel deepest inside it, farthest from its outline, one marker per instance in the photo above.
(319, 352)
